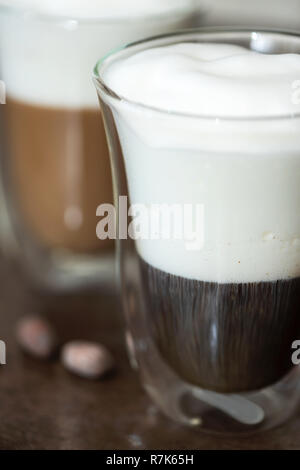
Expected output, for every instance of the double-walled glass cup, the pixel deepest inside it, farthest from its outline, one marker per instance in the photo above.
(212, 315)
(56, 164)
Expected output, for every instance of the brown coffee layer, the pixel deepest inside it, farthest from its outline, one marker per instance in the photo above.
(223, 337)
(59, 161)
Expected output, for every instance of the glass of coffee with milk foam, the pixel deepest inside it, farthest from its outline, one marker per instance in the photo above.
(57, 170)
(204, 134)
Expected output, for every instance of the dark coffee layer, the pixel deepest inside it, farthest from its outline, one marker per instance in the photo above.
(223, 337)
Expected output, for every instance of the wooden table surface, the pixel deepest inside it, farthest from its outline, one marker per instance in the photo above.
(44, 407)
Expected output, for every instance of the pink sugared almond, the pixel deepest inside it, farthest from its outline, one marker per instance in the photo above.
(87, 359)
(36, 336)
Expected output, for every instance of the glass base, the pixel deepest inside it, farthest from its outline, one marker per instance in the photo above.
(214, 413)
(61, 273)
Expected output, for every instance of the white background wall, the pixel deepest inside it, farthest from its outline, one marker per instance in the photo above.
(264, 13)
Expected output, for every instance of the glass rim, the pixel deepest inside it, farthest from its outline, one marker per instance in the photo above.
(30, 13)
(112, 95)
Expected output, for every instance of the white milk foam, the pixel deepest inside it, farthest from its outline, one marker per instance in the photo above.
(246, 173)
(208, 79)
(49, 61)
(104, 8)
